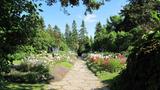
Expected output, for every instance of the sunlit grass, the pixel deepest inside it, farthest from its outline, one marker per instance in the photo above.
(65, 64)
(18, 86)
(106, 75)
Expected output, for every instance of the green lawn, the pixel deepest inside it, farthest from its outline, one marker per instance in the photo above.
(17, 86)
(65, 64)
(106, 75)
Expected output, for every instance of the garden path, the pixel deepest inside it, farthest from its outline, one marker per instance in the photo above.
(78, 78)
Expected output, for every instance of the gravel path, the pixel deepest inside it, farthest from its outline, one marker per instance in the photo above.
(78, 78)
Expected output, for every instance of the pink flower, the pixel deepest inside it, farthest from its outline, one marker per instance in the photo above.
(122, 58)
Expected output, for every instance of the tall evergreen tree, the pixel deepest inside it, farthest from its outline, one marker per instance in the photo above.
(68, 35)
(41, 23)
(67, 32)
(82, 31)
(98, 30)
(57, 29)
(82, 38)
(57, 35)
(74, 36)
(91, 42)
(50, 30)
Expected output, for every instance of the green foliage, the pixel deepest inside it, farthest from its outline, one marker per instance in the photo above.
(106, 75)
(65, 64)
(84, 41)
(68, 36)
(31, 77)
(74, 37)
(145, 17)
(98, 30)
(40, 42)
(57, 36)
(113, 24)
(113, 41)
(114, 65)
(64, 47)
(22, 86)
(90, 4)
(113, 38)
(28, 72)
(18, 22)
(22, 52)
(123, 41)
(58, 39)
(142, 67)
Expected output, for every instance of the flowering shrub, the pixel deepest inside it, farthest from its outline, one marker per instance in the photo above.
(114, 65)
(96, 57)
(122, 58)
(108, 63)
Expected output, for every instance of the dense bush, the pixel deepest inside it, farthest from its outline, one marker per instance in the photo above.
(42, 40)
(114, 65)
(28, 77)
(143, 68)
(64, 47)
(21, 52)
(112, 41)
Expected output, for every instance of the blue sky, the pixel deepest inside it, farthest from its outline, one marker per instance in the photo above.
(55, 16)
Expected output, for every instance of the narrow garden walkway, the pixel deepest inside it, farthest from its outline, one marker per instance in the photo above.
(78, 78)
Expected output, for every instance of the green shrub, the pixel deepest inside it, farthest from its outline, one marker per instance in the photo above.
(27, 49)
(16, 56)
(28, 72)
(114, 65)
(27, 77)
(40, 42)
(40, 68)
(143, 68)
(23, 67)
(21, 52)
(64, 47)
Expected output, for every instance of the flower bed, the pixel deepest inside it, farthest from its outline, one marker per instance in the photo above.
(109, 63)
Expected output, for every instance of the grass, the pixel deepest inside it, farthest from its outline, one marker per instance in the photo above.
(17, 62)
(106, 75)
(17, 86)
(65, 64)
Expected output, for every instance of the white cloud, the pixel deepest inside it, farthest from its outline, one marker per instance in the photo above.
(90, 18)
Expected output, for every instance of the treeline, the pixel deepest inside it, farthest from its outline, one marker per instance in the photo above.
(112, 38)
(128, 29)
(78, 40)
(73, 39)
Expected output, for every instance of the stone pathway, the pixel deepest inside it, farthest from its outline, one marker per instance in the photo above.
(78, 78)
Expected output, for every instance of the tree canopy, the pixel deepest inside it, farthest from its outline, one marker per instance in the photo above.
(90, 4)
